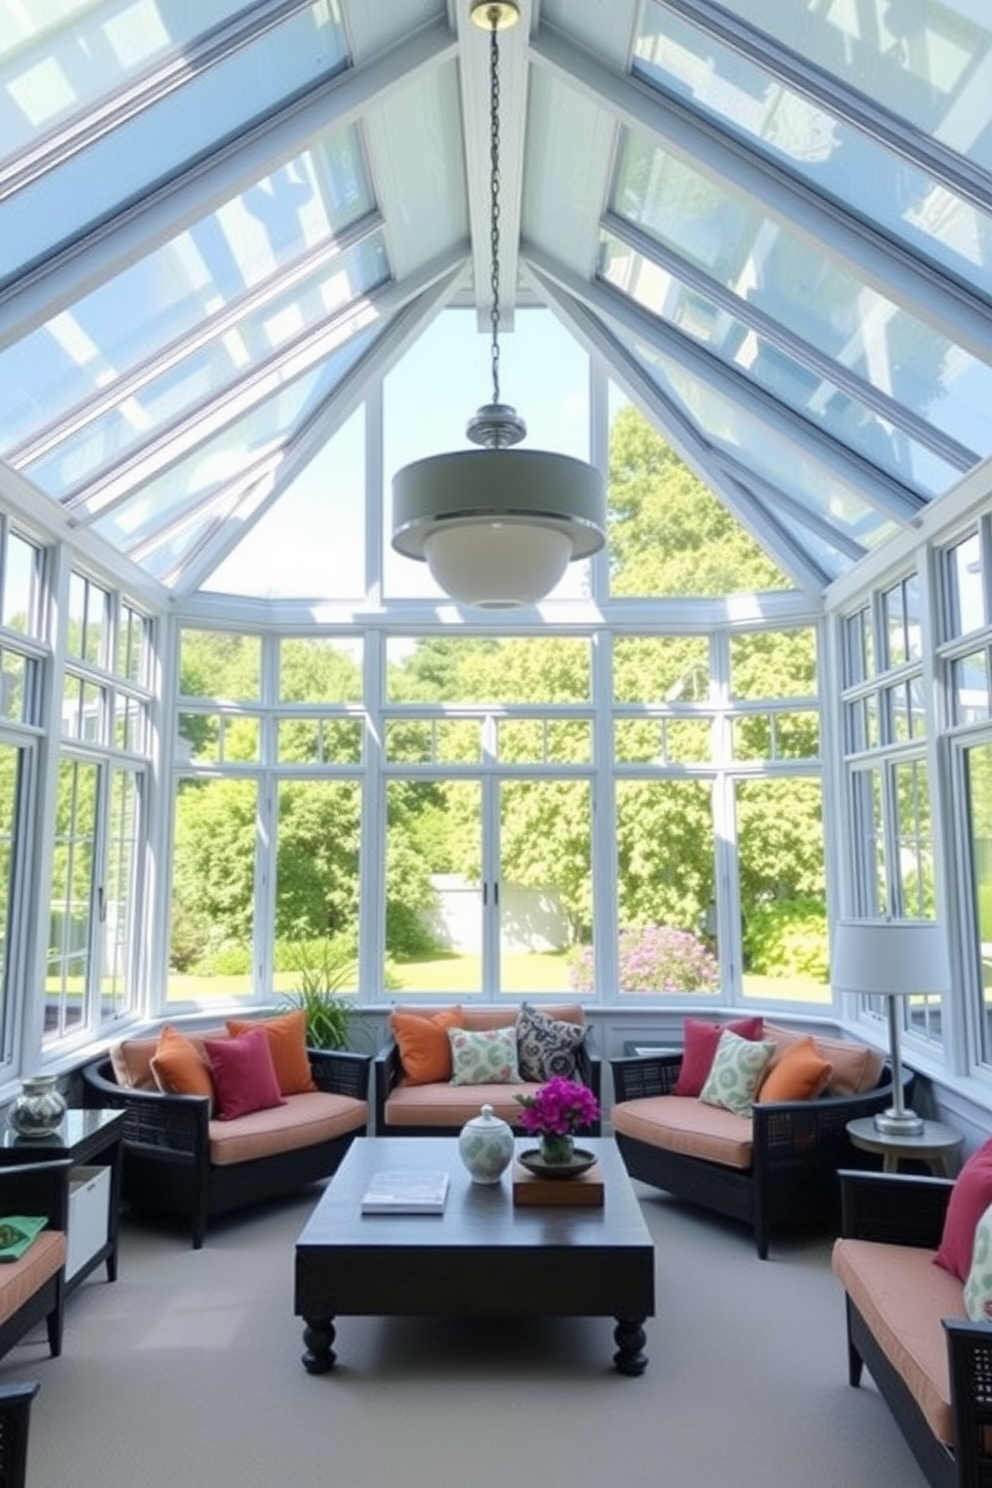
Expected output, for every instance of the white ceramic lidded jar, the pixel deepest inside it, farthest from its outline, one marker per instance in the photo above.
(485, 1146)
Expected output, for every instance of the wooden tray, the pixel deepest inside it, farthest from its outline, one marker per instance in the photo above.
(585, 1190)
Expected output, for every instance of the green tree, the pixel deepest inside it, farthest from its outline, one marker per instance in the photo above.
(668, 533)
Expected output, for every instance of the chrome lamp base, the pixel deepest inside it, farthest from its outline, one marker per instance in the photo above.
(893, 1123)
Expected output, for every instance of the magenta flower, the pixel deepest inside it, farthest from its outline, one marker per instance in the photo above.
(560, 1108)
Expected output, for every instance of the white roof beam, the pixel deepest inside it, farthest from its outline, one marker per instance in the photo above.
(474, 76)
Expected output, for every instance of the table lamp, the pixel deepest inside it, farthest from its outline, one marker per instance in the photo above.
(892, 959)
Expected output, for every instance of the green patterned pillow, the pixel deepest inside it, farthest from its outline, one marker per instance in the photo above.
(736, 1072)
(978, 1284)
(486, 1057)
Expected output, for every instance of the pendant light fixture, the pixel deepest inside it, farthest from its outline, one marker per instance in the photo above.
(497, 527)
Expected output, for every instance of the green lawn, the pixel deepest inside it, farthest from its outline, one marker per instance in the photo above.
(522, 972)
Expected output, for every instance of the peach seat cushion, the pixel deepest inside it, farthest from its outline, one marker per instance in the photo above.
(445, 1105)
(301, 1121)
(682, 1123)
(903, 1296)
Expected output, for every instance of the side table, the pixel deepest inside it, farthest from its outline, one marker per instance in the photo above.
(92, 1140)
(935, 1145)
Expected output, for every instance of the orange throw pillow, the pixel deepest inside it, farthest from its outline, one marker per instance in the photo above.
(800, 1074)
(179, 1067)
(425, 1052)
(288, 1042)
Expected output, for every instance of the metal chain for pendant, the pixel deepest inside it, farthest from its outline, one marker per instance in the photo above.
(494, 183)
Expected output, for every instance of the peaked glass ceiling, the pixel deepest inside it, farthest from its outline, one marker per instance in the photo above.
(218, 222)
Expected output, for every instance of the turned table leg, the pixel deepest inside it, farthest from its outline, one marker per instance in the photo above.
(318, 1335)
(630, 1339)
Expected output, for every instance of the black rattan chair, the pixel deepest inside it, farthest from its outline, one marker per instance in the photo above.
(798, 1147)
(166, 1163)
(15, 1424)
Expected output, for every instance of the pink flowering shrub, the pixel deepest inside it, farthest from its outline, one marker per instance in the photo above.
(560, 1108)
(654, 958)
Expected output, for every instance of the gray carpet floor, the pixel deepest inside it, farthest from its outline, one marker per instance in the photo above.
(187, 1371)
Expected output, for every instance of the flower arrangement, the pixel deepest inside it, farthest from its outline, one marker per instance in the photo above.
(556, 1112)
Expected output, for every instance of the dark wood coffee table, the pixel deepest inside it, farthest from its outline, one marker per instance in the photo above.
(481, 1258)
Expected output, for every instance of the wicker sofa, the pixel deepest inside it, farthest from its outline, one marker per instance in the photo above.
(32, 1289)
(906, 1321)
(16, 1400)
(179, 1159)
(403, 1108)
(776, 1168)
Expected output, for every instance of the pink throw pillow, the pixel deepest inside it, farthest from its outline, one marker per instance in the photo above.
(699, 1049)
(244, 1074)
(970, 1197)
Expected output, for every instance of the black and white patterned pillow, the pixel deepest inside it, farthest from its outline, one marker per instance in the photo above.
(547, 1046)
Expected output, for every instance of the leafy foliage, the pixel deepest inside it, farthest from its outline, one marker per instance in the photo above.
(788, 938)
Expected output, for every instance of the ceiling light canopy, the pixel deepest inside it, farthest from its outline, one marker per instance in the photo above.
(498, 527)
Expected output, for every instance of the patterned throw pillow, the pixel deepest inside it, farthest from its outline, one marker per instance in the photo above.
(485, 1057)
(547, 1046)
(736, 1072)
(978, 1286)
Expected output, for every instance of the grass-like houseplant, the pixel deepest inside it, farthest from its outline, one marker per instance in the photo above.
(322, 969)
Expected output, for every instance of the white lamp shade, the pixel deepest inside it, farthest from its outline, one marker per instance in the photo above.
(497, 564)
(895, 957)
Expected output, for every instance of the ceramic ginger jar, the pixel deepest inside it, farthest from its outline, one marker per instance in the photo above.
(485, 1146)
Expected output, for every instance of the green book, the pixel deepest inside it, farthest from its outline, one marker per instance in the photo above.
(17, 1233)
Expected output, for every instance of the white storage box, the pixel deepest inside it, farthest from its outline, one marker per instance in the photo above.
(89, 1213)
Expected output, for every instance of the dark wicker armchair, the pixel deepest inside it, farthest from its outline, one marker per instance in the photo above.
(167, 1165)
(909, 1209)
(798, 1147)
(15, 1424)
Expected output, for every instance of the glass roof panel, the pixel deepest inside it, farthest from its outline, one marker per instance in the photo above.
(927, 61)
(827, 152)
(206, 276)
(213, 367)
(782, 463)
(162, 555)
(59, 58)
(146, 132)
(770, 366)
(830, 559)
(813, 294)
(242, 451)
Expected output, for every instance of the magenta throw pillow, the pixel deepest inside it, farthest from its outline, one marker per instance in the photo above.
(970, 1197)
(243, 1073)
(699, 1042)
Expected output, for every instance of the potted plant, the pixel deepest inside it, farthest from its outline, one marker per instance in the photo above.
(322, 969)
